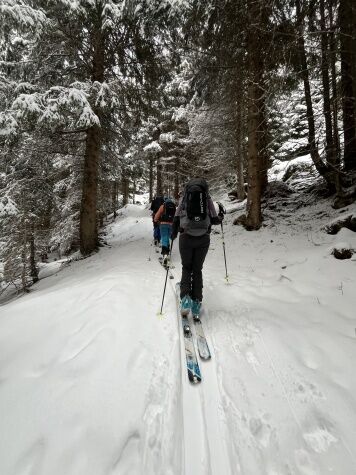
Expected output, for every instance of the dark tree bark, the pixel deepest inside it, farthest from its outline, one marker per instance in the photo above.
(151, 179)
(263, 142)
(240, 169)
(240, 136)
(347, 12)
(176, 178)
(125, 190)
(335, 107)
(325, 171)
(255, 94)
(330, 151)
(88, 219)
(114, 193)
(159, 188)
(33, 267)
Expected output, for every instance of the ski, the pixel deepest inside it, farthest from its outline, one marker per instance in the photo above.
(203, 347)
(193, 369)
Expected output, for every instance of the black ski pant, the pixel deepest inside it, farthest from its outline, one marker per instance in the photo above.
(193, 250)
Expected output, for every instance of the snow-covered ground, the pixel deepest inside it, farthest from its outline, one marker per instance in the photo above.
(93, 380)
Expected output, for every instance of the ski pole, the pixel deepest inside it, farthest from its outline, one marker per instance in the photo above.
(165, 282)
(223, 211)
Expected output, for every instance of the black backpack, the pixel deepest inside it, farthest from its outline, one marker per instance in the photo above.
(169, 210)
(156, 203)
(195, 218)
(196, 201)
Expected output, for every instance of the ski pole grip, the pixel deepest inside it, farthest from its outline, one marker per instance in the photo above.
(221, 208)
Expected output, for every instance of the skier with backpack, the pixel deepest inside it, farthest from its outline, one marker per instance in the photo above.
(194, 217)
(164, 217)
(155, 204)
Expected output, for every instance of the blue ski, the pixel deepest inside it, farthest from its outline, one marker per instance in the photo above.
(193, 369)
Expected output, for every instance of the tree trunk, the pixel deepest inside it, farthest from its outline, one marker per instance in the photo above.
(262, 143)
(114, 193)
(335, 106)
(159, 190)
(24, 257)
(240, 151)
(88, 222)
(255, 71)
(133, 191)
(125, 190)
(33, 267)
(176, 178)
(240, 173)
(330, 149)
(151, 179)
(325, 172)
(346, 13)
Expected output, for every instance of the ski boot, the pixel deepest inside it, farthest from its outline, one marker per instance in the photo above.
(185, 305)
(166, 262)
(196, 306)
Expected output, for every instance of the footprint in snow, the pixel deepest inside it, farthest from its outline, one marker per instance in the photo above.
(320, 439)
(261, 429)
(307, 391)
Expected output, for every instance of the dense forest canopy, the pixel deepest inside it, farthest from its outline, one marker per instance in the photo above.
(102, 100)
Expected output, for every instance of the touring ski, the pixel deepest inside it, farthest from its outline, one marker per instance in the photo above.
(203, 347)
(193, 369)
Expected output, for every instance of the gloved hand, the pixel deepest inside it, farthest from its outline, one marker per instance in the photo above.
(221, 216)
(173, 236)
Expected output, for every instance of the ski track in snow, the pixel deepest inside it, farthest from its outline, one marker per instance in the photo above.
(93, 381)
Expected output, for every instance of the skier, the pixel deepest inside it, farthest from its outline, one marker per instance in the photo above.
(164, 217)
(193, 219)
(155, 204)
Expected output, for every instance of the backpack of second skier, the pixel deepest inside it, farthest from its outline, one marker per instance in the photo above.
(169, 210)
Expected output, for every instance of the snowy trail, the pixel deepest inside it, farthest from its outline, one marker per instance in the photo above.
(93, 381)
(204, 445)
(280, 417)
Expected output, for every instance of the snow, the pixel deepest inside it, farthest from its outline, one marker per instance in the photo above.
(166, 138)
(93, 380)
(279, 168)
(153, 147)
(7, 207)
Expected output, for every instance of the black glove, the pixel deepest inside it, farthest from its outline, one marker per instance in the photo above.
(221, 216)
(173, 236)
